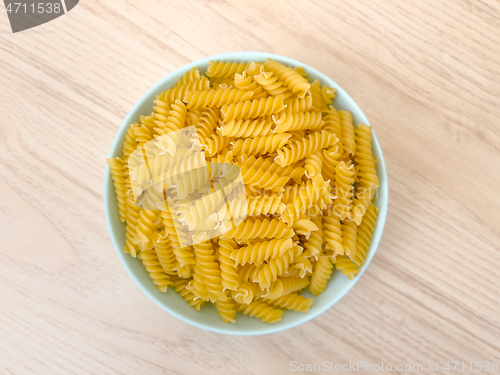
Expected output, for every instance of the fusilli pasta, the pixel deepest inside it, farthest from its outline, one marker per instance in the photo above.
(308, 179)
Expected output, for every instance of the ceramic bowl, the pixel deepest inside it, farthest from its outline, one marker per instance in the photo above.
(207, 317)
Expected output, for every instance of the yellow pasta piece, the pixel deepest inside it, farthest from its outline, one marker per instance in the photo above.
(294, 81)
(253, 108)
(346, 266)
(297, 150)
(348, 137)
(247, 128)
(191, 76)
(225, 69)
(271, 84)
(262, 310)
(364, 234)
(153, 267)
(257, 228)
(177, 93)
(321, 274)
(117, 167)
(261, 251)
(289, 121)
(215, 98)
(260, 145)
(344, 179)
(293, 301)
(296, 105)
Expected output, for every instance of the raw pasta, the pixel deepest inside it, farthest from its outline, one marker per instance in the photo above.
(306, 210)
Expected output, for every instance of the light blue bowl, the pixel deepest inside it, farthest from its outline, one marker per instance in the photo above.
(208, 318)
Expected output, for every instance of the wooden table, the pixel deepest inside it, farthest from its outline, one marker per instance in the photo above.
(426, 73)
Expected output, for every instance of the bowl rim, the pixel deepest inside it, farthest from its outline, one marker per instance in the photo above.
(116, 147)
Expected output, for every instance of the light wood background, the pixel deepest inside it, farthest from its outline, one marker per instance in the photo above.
(426, 73)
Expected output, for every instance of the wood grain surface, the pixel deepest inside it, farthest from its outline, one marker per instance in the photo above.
(426, 73)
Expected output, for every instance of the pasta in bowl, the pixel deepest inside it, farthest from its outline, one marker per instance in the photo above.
(245, 193)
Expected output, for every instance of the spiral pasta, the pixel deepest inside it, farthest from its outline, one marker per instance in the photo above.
(364, 234)
(210, 270)
(197, 212)
(346, 266)
(293, 301)
(260, 145)
(180, 286)
(225, 69)
(245, 292)
(117, 168)
(263, 179)
(296, 105)
(290, 78)
(297, 150)
(206, 125)
(327, 94)
(133, 213)
(188, 77)
(165, 253)
(253, 108)
(284, 286)
(321, 274)
(229, 275)
(153, 267)
(314, 244)
(344, 179)
(333, 232)
(366, 173)
(261, 251)
(271, 84)
(318, 104)
(244, 82)
(289, 121)
(265, 205)
(349, 230)
(331, 158)
(332, 123)
(247, 128)
(348, 136)
(258, 228)
(226, 308)
(274, 268)
(314, 164)
(308, 194)
(145, 228)
(184, 255)
(304, 207)
(177, 93)
(262, 310)
(215, 98)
